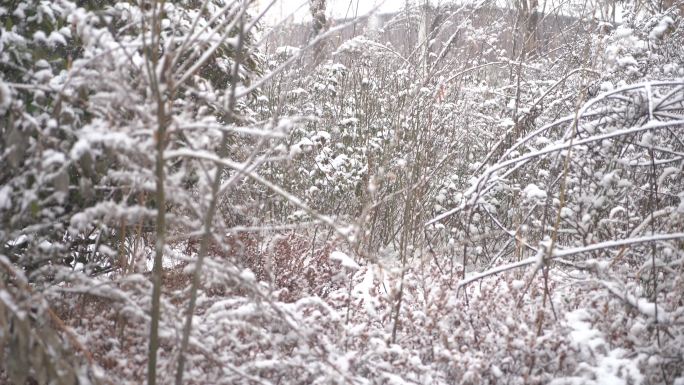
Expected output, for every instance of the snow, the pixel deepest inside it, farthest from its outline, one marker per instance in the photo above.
(506, 122)
(609, 367)
(55, 39)
(616, 210)
(304, 145)
(79, 149)
(5, 97)
(667, 172)
(52, 157)
(322, 137)
(344, 260)
(248, 275)
(339, 161)
(582, 334)
(65, 31)
(533, 192)
(659, 30)
(339, 67)
(325, 314)
(287, 51)
(40, 37)
(8, 302)
(364, 290)
(5, 198)
(20, 240)
(566, 213)
(518, 284)
(349, 122)
(626, 61)
(607, 86)
(356, 45)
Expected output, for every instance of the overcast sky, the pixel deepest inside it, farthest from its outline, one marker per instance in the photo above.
(334, 8)
(349, 8)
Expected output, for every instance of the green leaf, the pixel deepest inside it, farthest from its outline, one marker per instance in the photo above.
(35, 208)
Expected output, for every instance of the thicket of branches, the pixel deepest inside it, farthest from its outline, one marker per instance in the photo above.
(464, 193)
